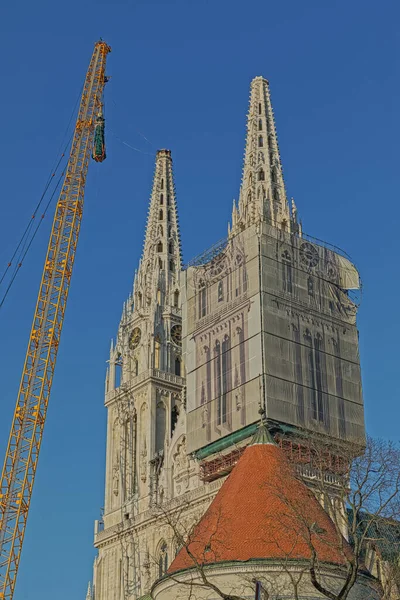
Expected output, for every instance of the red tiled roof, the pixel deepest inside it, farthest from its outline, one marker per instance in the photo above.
(261, 511)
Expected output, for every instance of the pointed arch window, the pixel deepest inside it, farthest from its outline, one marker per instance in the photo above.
(176, 299)
(159, 247)
(172, 266)
(168, 200)
(202, 300)
(157, 353)
(169, 231)
(223, 378)
(259, 108)
(260, 141)
(314, 360)
(136, 367)
(169, 215)
(260, 125)
(287, 272)
(163, 560)
(220, 291)
(161, 198)
(171, 248)
(162, 183)
(178, 366)
(160, 426)
(160, 215)
(261, 175)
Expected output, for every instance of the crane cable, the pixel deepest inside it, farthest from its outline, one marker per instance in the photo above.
(25, 236)
(21, 258)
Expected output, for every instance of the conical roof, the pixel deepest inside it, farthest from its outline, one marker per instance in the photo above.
(262, 511)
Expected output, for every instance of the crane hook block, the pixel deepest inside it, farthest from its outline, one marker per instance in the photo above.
(99, 145)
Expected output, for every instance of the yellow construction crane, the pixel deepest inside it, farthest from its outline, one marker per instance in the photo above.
(21, 459)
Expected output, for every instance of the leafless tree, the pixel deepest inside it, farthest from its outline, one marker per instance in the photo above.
(359, 488)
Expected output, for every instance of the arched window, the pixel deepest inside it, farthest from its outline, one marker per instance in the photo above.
(169, 215)
(260, 141)
(160, 426)
(163, 560)
(260, 125)
(287, 272)
(178, 366)
(171, 248)
(162, 183)
(161, 198)
(176, 299)
(259, 108)
(169, 231)
(157, 353)
(159, 247)
(168, 200)
(160, 215)
(202, 300)
(172, 266)
(220, 291)
(136, 367)
(261, 175)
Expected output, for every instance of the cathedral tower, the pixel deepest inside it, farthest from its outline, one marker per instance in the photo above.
(268, 319)
(144, 386)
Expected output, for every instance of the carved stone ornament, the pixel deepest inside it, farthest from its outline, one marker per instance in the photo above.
(116, 479)
(143, 463)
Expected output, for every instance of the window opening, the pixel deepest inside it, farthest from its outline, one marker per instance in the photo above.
(220, 291)
(287, 272)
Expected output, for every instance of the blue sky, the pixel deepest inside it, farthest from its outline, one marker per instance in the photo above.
(180, 78)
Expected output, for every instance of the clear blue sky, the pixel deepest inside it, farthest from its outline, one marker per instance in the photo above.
(180, 76)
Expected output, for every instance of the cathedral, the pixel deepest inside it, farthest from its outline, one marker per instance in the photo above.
(221, 370)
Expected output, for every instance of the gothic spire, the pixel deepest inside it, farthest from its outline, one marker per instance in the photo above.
(161, 259)
(262, 194)
(89, 592)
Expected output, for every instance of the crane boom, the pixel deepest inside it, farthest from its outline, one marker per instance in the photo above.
(21, 458)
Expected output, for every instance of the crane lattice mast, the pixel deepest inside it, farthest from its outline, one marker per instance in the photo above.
(21, 459)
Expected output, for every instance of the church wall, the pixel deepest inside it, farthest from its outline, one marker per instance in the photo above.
(222, 341)
(271, 303)
(238, 579)
(310, 341)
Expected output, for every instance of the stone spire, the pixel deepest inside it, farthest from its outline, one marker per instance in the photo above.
(89, 592)
(262, 194)
(161, 259)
